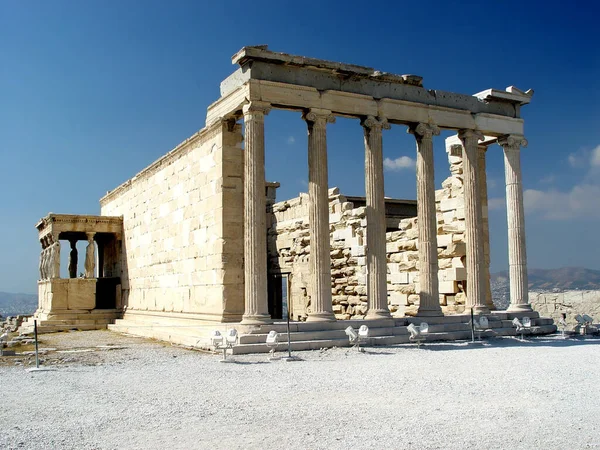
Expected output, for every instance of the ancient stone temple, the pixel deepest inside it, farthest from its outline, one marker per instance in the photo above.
(197, 239)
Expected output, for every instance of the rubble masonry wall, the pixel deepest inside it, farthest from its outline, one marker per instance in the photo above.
(289, 250)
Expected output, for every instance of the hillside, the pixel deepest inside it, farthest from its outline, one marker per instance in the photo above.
(14, 304)
(563, 279)
(547, 280)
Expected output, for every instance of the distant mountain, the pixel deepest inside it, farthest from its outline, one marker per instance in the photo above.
(15, 304)
(563, 279)
(546, 280)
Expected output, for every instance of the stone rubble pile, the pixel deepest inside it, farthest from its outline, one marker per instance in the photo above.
(289, 250)
(12, 323)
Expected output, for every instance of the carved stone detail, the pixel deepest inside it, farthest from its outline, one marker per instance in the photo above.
(90, 256)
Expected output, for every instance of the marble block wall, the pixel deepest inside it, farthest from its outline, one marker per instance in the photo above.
(183, 228)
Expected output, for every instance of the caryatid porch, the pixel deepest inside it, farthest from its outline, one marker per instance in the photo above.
(86, 298)
(321, 90)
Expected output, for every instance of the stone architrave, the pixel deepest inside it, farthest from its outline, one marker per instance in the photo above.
(473, 222)
(73, 257)
(429, 303)
(318, 197)
(376, 223)
(517, 253)
(255, 231)
(90, 256)
(55, 259)
(483, 191)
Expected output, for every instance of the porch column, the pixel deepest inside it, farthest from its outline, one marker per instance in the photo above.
(73, 259)
(90, 256)
(255, 231)
(483, 193)
(376, 223)
(318, 198)
(429, 303)
(55, 258)
(44, 258)
(473, 222)
(517, 254)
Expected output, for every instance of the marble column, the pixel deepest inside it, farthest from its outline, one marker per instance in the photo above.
(376, 222)
(429, 303)
(90, 256)
(473, 222)
(73, 259)
(483, 194)
(318, 197)
(517, 254)
(255, 232)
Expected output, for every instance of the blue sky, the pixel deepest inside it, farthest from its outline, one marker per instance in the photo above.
(92, 92)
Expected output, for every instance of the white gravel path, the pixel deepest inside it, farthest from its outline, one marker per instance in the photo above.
(542, 394)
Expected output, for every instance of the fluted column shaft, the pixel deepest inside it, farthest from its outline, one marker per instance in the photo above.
(318, 199)
(517, 253)
(483, 193)
(376, 222)
(429, 303)
(473, 222)
(255, 232)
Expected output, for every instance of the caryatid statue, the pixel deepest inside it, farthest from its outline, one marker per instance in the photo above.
(90, 257)
(42, 255)
(55, 260)
(73, 259)
(45, 258)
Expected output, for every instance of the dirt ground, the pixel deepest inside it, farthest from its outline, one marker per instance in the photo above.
(86, 348)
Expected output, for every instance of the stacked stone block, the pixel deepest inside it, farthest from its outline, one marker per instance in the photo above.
(289, 252)
(183, 230)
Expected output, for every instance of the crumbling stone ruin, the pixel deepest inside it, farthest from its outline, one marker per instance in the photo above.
(289, 250)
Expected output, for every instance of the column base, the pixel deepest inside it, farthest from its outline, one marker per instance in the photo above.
(519, 308)
(430, 313)
(479, 309)
(258, 319)
(374, 314)
(324, 316)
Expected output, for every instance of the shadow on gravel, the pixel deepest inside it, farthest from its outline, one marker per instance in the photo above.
(247, 363)
(371, 352)
(513, 342)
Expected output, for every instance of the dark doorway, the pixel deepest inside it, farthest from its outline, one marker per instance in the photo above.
(278, 296)
(106, 292)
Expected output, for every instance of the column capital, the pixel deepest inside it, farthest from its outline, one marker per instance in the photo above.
(424, 130)
(318, 116)
(256, 107)
(90, 235)
(373, 122)
(467, 134)
(512, 141)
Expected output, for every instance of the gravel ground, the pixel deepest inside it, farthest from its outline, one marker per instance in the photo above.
(539, 394)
